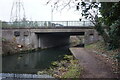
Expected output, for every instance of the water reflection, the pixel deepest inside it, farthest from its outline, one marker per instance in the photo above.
(33, 62)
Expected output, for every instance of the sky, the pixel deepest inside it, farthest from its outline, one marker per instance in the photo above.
(36, 10)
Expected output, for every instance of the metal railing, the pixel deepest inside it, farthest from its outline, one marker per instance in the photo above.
(37, 24)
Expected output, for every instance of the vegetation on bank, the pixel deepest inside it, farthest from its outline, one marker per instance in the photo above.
(67, 68)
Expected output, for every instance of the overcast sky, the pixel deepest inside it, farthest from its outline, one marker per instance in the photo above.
(38, 11)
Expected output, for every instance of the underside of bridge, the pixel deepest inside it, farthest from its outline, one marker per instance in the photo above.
(47, 40)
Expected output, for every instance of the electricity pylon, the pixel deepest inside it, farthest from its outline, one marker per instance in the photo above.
(17, 11)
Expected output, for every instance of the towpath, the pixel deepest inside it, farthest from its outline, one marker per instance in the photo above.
(93, 64)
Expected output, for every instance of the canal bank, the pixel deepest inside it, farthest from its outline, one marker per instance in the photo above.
(12, 76)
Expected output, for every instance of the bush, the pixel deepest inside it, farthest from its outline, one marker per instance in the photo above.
(114, 34)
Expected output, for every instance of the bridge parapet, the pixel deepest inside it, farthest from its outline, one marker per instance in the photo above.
(46, 24)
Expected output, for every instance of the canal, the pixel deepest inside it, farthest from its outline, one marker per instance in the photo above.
(33, 61)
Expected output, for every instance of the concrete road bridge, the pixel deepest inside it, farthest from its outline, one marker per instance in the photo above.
(45, 34)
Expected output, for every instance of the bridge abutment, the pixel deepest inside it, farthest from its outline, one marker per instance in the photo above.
(91, 36)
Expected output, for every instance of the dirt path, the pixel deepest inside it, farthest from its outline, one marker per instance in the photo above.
(94, 66)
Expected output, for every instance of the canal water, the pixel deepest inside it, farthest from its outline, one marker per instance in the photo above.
(33, 61)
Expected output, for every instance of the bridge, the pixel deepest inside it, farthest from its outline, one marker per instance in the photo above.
(45, 34)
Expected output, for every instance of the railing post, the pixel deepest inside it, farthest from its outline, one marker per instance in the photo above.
(0, 24)
(67, 23)
(83, 23)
